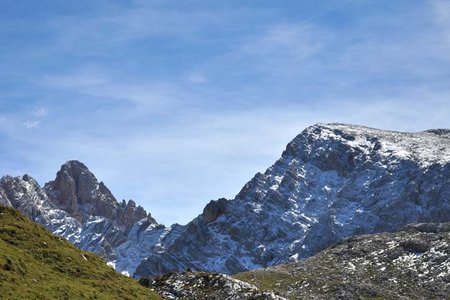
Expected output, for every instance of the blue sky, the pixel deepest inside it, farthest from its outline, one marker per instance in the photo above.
(173, 104)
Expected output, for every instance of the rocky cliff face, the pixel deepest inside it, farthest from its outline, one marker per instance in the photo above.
(77, 191)
(332, 181)
(76, 206)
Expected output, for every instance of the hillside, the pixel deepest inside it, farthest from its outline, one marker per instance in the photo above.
(34, 264)
(413, 263)
(76, 206)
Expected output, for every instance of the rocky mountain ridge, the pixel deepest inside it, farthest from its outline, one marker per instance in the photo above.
(79, 208)
(332, 181)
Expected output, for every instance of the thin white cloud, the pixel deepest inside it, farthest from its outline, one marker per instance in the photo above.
(104, 30)
(230, 114)
(35, 119)
(31, 124)
(41, 112)
(80, 79)
(200, 149)
(95, 83)
(441, 9)
(196, 77)
(290, 41)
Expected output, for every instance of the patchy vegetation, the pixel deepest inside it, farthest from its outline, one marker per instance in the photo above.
(411, 264)
(34, 264)
(203, 285)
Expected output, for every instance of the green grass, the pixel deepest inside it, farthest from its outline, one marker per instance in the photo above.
(34, 264)
(270, 280)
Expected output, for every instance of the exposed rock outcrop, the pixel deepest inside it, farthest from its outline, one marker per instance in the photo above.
(201, 285)
(413, 263)
(77, 191)
(213, 209)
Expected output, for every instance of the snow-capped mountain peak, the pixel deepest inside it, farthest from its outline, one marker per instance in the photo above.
(331, 182)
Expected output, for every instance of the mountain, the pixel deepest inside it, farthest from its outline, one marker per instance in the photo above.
(332, 181)
(413, 263)
(34, 264)
(79, 208)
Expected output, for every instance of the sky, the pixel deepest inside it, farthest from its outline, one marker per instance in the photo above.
(175, 103)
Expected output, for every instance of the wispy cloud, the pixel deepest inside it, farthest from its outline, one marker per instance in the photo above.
(41, 112)
(441, 9)
(155, 164)
(181, 104)
(94, 83)
(31, 124)
(293, 42)
(196, 77)
(103, 31)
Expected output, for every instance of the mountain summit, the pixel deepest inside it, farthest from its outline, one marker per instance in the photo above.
(81, 209)
(77, 191)
(331, 182)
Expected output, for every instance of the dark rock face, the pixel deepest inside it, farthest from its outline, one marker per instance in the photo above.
(128, 214)
(213, 209)
(413, 263)
(77, 191)
(332, 181)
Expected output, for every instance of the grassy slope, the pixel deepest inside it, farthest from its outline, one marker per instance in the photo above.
(34, 264)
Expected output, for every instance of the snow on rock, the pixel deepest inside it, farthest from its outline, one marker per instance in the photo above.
(79, 208)
(331, 182)
(200, 285)
(412, 263)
